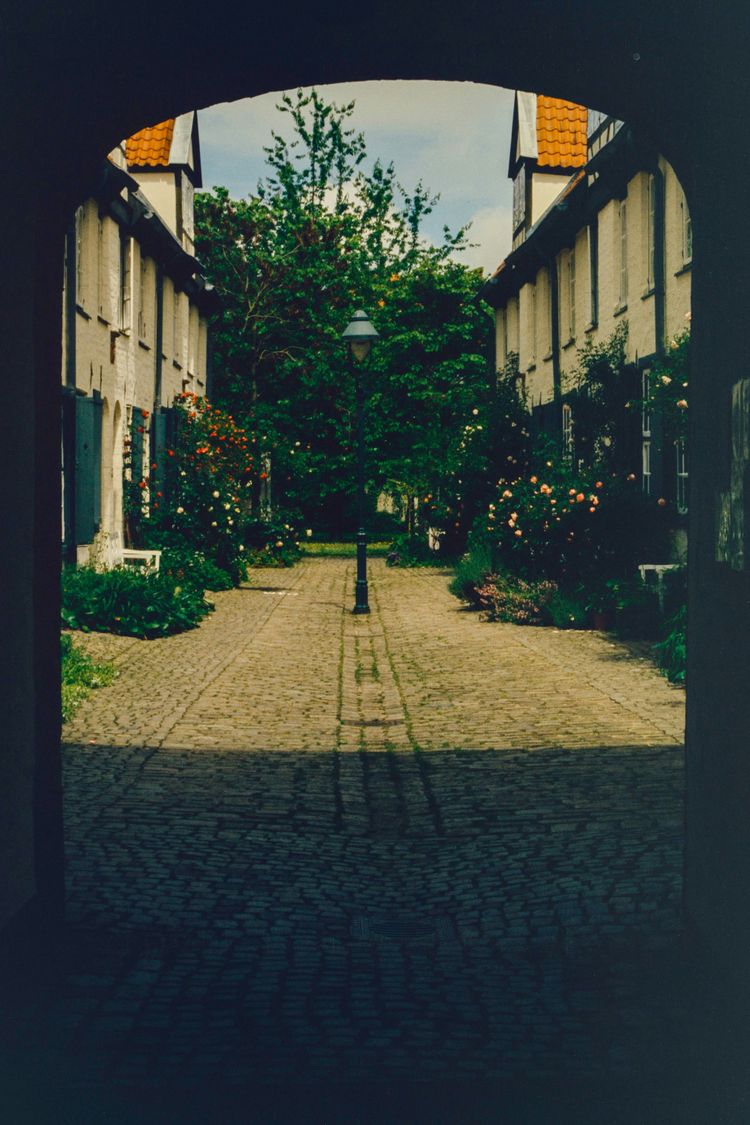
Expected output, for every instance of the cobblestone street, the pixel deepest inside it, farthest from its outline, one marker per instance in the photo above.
(310, 846)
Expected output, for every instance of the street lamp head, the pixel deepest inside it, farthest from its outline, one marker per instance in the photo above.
(359, 335)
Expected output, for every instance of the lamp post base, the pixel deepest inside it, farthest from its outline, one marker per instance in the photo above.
(361, 604)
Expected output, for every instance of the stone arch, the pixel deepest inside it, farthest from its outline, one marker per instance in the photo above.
(679, 75)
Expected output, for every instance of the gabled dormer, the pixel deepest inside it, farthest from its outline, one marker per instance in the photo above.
(165, 160)
(547, 146)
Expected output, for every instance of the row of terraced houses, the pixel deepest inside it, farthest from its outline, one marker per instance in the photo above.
(136, 312)
(601, 237)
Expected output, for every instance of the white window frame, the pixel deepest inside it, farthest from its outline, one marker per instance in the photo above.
(686, 229)
(126, 278)
(646, 431)
(650, 223)
(623, 238)
(571, 288)
(532, 321)
(681, 468)
(568, 440)
(143, 325)
(593, 254)
(102, 304)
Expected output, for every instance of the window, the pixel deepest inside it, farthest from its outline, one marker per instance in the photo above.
(125, 276)
(177, 327)
(686, 226)
(519, 198)
(623, 235)
(650, 217)
(567, 433)
(646, 432)
(682, 476)
(168, 320)
(571, 287)
(594, 273)
(192, 339)
(101, 270)
(143, 324)
(548, 289)
(532, 323)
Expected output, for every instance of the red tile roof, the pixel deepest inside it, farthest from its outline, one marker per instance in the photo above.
(561, 133)
(151, 146)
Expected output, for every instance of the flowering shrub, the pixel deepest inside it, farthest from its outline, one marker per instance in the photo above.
(668, 390)
(272, 542)
(507, 598)
(205, 499)
(473, 571)
(564, 524)
(191, 568)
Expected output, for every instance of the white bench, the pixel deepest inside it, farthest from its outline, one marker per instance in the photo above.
(658, 570)
(114, 554)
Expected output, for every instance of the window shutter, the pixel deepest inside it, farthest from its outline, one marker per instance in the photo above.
(136, 446)
(88, 483)
(159, 451)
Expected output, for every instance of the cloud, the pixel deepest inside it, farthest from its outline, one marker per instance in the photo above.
(490, 229)
(454, 136)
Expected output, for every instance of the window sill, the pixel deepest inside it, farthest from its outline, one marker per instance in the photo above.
(102, 319)
(82, 312)
(532, 366)
(568, 343)
(142, 344)
(176, 365)
(546, 358)
(686, 268)
(620, 309)
(591, 326)
(650, 292)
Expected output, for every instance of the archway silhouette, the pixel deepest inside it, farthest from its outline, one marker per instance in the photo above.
(106, 77)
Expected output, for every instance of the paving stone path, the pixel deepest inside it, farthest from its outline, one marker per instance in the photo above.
(304, 844)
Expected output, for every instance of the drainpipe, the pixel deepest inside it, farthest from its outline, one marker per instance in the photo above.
(555, 330)
(659, 263)
(68, 398)
(158, 369)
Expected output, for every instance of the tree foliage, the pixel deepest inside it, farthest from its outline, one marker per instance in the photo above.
(324, 234)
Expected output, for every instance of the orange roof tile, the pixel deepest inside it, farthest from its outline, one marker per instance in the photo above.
(561, 133)
(150, 147)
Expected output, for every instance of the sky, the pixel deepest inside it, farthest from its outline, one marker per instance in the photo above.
(454, 136)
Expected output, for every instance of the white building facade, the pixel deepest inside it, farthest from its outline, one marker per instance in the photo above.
(136, 314)
(602, 237)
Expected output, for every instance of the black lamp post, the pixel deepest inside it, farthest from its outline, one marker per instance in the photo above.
(359, 335)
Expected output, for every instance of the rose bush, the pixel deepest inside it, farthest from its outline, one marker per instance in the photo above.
(565, 524)
(205, 499)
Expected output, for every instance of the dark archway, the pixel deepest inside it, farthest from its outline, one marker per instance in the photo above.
(77, 78)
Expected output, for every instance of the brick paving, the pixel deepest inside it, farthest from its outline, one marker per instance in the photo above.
(309, 846)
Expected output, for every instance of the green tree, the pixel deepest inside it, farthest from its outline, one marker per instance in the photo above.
(322, 235)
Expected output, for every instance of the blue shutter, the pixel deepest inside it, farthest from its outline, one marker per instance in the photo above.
(136, 446)
(88, 481)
